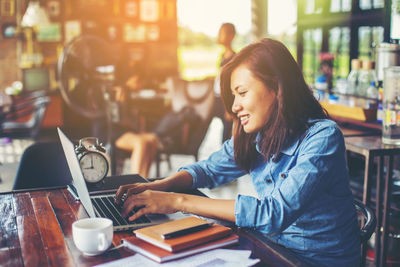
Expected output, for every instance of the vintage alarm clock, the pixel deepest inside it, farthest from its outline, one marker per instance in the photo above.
(93, 160)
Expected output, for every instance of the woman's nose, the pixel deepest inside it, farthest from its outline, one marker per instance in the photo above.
(235, 107)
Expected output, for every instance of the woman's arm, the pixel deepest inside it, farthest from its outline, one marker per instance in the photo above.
(166, 203)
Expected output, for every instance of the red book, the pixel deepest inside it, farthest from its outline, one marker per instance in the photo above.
(160, 255)
(154, 234)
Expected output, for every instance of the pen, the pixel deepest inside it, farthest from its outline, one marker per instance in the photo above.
(186, 231)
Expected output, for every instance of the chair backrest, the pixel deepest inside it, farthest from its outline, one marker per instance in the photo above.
(199, 95)
(33, 105)
(367, 222)
(42, 164)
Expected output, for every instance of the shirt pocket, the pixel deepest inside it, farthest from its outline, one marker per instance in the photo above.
(278, 177)
(267, 184)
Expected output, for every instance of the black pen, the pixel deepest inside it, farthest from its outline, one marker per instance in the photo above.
(186, 231)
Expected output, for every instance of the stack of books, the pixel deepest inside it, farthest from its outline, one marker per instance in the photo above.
(179, 238)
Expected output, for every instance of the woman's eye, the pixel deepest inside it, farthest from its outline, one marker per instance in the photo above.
(242, 93)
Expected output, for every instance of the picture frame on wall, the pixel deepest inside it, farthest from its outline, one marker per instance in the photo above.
(170, 10)
(134, 32)
(49, 33)
(53, 8)
(113, 32)
(7, 8)
(135, 54)
(149, 10)
(131, 8)
(153, 32)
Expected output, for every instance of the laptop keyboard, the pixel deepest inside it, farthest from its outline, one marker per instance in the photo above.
(105, 207)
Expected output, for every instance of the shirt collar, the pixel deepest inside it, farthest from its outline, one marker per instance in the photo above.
(289, 150)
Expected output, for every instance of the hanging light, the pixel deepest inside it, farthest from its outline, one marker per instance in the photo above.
(35, 15)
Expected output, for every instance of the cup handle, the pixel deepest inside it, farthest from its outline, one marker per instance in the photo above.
(102, 241)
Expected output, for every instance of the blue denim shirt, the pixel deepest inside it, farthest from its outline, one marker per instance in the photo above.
(304, 201)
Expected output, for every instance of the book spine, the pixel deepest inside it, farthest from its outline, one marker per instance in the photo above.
(196, 242)
(154, 242)
(141, 251)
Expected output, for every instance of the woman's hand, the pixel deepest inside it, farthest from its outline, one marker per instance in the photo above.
(124, 191)
(150, 201)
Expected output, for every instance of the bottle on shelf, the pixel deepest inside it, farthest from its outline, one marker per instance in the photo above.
(373, 91)
(366, 78)
(353, 78)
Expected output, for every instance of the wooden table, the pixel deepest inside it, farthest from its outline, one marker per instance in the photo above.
(371, 147)
(35, 230)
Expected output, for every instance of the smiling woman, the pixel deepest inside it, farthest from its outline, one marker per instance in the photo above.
(294, 154)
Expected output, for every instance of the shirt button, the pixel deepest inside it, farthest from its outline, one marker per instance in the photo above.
(269, 181)
(283, 175)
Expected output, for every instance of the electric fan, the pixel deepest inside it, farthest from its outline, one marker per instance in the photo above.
(85, 73)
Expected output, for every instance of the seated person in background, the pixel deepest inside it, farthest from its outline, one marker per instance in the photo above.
(294, 154)
(168, 132)
(143, 147)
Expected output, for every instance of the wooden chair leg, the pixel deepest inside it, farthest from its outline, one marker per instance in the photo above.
(169, 162)
(158, 159)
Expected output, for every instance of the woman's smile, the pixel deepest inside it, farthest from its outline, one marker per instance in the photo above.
(244, 119)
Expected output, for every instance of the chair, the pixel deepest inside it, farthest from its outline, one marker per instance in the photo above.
(198, 94)
(31, 104)
(367, 226)
(42, 164)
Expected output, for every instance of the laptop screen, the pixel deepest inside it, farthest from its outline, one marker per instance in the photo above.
(76, 173)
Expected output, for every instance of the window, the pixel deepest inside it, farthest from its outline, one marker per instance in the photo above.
(368, 38)
(198, 25)
(340, 6)
(312, 46)
(371, 4)
(339, 44)
(345, 28)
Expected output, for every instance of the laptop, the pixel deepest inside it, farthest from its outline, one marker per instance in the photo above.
(102, 205)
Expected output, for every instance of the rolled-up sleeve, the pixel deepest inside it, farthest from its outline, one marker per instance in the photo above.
(220, 168)
(318, 165)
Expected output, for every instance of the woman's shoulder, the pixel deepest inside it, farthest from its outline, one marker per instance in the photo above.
(322, 123)
(326, 126)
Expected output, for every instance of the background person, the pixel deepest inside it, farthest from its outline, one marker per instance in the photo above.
(167, 133)
(294, 154)
(225, 38)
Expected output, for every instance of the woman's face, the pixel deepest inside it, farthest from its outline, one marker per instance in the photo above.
(224, 37)
(252, 99)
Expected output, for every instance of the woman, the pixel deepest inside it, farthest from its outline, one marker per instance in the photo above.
(226, 34)
(294, 154)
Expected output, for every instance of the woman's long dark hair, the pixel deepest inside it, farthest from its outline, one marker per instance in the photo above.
(271, 62)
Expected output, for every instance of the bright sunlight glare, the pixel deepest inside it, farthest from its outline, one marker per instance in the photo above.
(282, 16)
(206, 16)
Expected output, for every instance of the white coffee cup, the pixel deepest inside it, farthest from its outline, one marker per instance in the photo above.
(92, 236)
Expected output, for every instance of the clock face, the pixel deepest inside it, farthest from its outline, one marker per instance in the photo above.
(94, 167)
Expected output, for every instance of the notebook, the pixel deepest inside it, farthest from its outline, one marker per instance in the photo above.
(153, 234)
(160, 255)
(102, 205)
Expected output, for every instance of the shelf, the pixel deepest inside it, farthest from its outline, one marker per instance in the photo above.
(350, 112)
